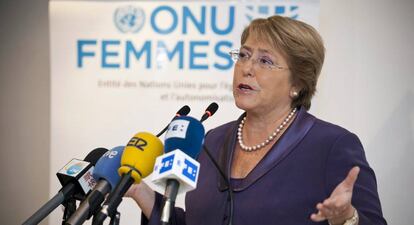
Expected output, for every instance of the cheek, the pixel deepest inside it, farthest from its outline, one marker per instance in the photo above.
(236, 74)
(276, 85)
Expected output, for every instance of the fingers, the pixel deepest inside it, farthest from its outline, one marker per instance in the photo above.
(352, 177)
(339, 203)
(322, 214)
(318, 217)
(327, 210)
(334, 207)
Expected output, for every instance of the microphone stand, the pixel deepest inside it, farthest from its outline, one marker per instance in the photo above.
(115, 219)
(70, 208)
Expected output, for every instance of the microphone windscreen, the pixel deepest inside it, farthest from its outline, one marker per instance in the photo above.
(140, 154)
(95, 155)
(183, 111)
(185, 133)
(107, 166)
(212, 108)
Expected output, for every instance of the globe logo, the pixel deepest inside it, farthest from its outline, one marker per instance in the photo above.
(129, 19)
(74, 169)
(253, 12)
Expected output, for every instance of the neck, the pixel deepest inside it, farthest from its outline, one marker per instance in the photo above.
(266, 121)
(262, 131)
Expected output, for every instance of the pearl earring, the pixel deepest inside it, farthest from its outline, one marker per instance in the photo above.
(294, 94)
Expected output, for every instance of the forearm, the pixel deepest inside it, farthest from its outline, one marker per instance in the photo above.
(147, 199)
(144, 196)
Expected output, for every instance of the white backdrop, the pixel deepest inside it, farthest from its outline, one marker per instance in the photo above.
(122, 67)
(366, 86)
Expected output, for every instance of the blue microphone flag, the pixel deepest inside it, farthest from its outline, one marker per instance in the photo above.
(185, 133)
(107, 166)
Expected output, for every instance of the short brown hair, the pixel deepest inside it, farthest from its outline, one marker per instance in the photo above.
(300, 43)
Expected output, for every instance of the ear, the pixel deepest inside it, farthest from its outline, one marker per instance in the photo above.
(294, 93)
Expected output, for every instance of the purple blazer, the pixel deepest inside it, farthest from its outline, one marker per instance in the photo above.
(302, 168)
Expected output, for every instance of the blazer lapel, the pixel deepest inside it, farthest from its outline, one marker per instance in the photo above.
(286, 144)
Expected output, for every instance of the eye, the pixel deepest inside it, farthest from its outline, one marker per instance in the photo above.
(243, 55)
(265, 61)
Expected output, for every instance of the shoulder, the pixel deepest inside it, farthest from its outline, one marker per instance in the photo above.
(219, 133)
(327, 135)
(330, 131)
(216, 137)
(342, 142)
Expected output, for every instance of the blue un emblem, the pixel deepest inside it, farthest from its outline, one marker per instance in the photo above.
(190, 170)
(167, 163)
(265, 11)
(129, 19)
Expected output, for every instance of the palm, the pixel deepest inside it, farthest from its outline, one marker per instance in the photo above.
(342, 194)
(338, 206)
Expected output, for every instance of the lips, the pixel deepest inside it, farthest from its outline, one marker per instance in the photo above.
(245, 87)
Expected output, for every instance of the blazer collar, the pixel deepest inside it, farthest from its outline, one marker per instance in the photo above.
(286, 144)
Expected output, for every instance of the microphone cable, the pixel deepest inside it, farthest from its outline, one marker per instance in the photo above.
(211, 110)
(230, 189)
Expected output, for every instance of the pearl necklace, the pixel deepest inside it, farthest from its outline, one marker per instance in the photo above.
(268, 140)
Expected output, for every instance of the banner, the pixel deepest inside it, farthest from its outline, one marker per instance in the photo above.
(118, 68)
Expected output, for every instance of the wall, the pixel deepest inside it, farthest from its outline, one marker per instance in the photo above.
(367, 86)
(24, 107)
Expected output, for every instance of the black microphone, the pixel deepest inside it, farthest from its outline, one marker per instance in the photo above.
(76, 179)
(211, 109)
(181, 112)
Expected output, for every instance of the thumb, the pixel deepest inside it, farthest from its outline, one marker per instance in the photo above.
(351, 177)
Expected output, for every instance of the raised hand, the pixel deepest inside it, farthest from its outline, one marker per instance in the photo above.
(338, 208)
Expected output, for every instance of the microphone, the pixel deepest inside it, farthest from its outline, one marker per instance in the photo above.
(76, 179)
(181, 112)
(177, 170)
(211, 109)
(137, 162)
(106, 174)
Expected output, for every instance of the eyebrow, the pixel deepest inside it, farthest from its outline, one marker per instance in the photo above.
(261, 50)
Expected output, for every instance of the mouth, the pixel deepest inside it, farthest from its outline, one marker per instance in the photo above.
(245, 87)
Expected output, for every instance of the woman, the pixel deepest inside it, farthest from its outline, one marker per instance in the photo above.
(285, 165)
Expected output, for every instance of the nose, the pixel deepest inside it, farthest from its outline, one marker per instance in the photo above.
(248, 68)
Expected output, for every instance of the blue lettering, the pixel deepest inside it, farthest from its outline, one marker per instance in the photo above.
(162, 48)
(82, 53)
(146, 48)
(230, 26)
(166, 53)
(106, 54)
(174, 20)
(167, 163)
(224, 55)
(200, 25)
(190, 170)
(194, 55)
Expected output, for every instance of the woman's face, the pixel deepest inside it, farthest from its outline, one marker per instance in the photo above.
(256, 87)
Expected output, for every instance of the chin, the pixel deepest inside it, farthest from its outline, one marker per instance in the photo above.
(243, 105)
